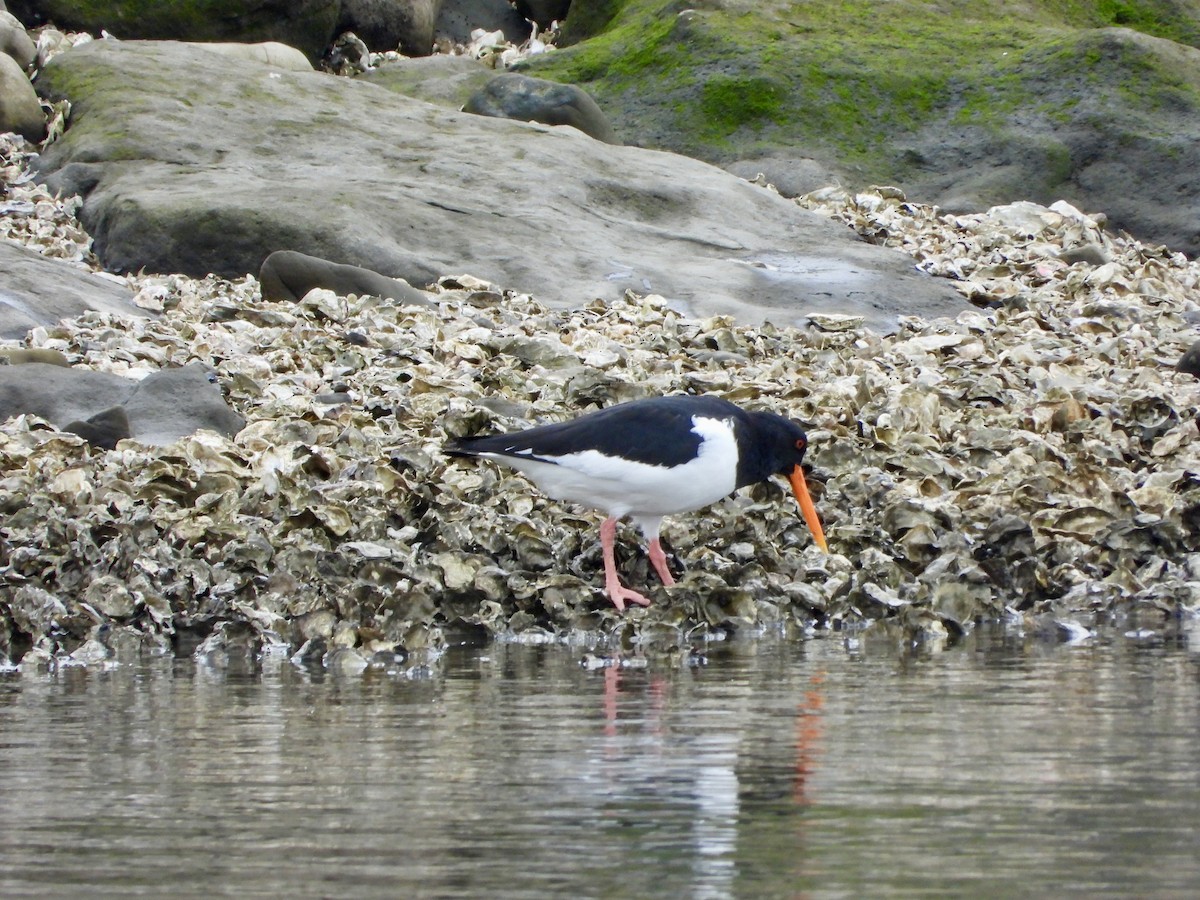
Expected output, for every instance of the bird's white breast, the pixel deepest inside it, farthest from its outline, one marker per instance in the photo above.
(623, 487)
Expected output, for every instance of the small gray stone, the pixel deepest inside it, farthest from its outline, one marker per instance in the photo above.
(172, 403)
(1190, 361)
(514, 96)
(1092, 254)
(287, 275)
(104, 429)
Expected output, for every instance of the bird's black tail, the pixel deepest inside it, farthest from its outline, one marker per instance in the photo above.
(458, 447)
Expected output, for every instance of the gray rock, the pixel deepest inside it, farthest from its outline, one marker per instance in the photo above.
(104, 429)
(514, 96)
(1107, 119)
(57, 394)
(1130, 157)
(159, 409)
(445, 80)
(1092, 254)
(391, 24)
(286, 275)
(173, 403)
(270, 53)
(307, 25)
(1190, 361)
(792, 176)
(182, 175)
(15, 41)
(458, 18)
(17, 356)
(544, 11)
(39, 291)
(20, 111)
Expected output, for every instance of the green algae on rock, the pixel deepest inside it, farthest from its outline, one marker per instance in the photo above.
(965, 106)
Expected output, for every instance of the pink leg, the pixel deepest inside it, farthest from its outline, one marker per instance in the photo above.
(612, 585)
(659, 560)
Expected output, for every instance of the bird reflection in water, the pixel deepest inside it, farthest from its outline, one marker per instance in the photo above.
(808, 738)
(745, 790)
(808, 729)
(656, 690)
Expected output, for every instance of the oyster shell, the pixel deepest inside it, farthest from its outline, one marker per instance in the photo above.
(1036, 458)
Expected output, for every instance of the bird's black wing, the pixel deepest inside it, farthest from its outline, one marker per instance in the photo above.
(655, 431)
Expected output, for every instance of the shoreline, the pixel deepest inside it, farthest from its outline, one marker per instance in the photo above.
(1035, 462)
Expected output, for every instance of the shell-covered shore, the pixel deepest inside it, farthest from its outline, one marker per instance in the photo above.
(1035, 460)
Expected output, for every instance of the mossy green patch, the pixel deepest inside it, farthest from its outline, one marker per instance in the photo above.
(1163, 19)
(728, 103)
(850, 79)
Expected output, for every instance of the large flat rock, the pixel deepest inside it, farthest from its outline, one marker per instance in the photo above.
(192, 163)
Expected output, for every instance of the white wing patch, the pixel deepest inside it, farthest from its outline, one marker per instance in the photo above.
(622, 487)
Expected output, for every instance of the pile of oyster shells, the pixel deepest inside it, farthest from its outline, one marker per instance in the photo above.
(1035, 460)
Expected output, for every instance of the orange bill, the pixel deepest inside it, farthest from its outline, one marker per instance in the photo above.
(800, 489)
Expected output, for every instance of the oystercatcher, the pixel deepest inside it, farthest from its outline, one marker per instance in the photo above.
(651, 458)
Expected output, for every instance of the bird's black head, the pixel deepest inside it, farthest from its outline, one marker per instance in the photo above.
(769, 444)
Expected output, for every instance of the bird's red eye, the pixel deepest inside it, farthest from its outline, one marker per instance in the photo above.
(801, 443)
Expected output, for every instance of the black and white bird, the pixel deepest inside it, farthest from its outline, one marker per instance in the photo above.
(651, 458)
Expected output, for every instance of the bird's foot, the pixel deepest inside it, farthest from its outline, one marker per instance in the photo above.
(621, 595)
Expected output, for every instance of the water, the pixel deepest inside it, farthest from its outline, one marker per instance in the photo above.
(1000, 767)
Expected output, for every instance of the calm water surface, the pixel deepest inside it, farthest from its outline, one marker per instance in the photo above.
(999, 767)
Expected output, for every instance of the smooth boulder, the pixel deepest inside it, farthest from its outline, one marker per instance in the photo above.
(270, 53)
(515, 96)
(20, 111)
(287, 275)
(390, 24)
(15, 41)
